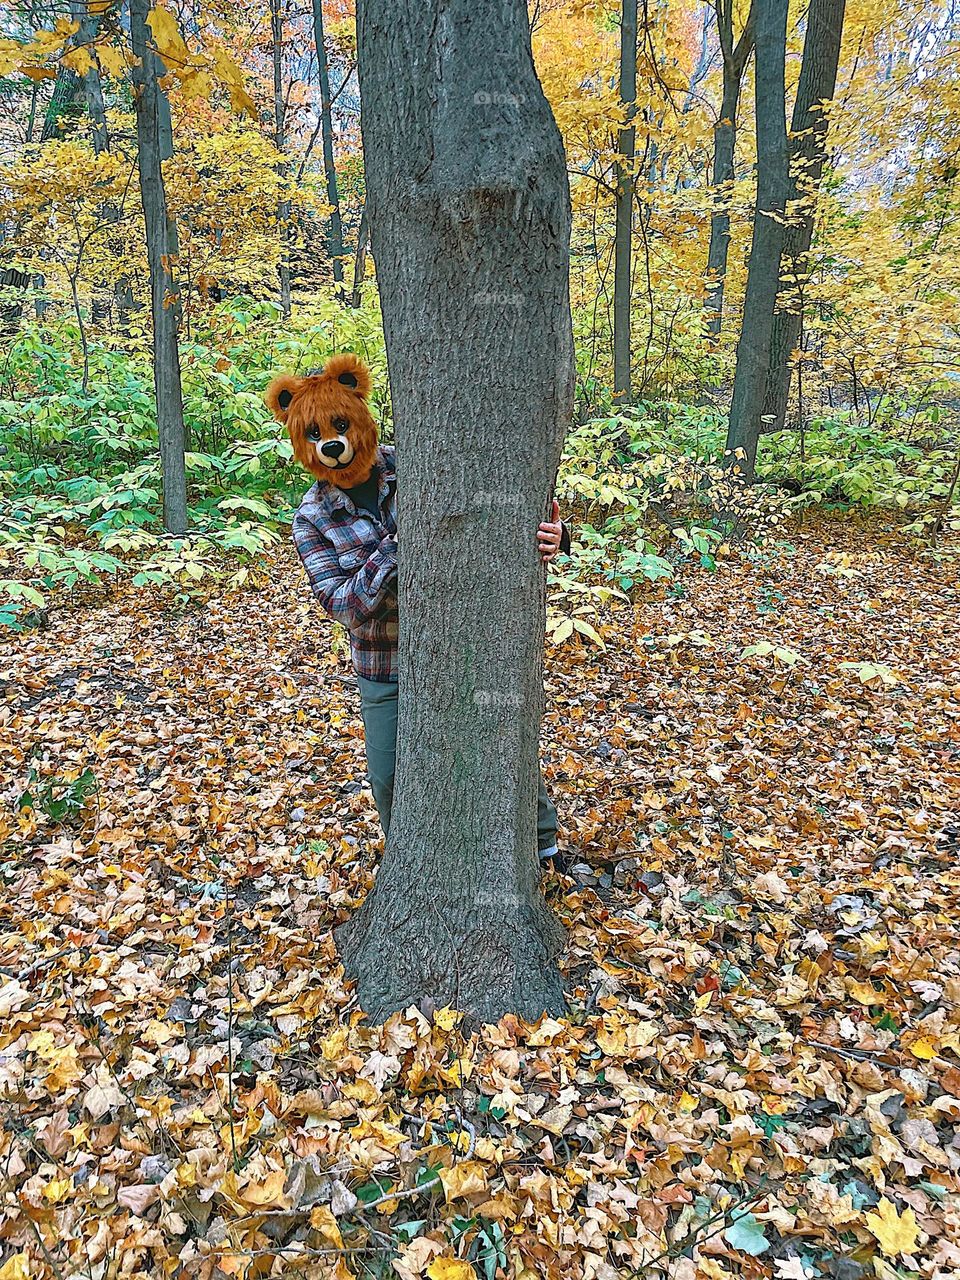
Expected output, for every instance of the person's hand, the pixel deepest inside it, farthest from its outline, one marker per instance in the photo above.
(549, 534)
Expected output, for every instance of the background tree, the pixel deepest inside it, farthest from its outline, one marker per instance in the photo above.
(763, 274)
(808, 152)
(735, 54)
(152, 148)
(334, 225)
(279, 139)
(623, 238)
(470, 222)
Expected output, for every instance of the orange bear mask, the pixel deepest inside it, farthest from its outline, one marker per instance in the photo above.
(326, 413)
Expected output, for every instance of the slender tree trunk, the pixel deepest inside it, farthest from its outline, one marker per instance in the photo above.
(818, 82)
(334, 226)
(32, 114)
(360, 261)
(279, 138)
(763, 273)
(735, 59)
(623, 236)
(470, 223)
(152, 118)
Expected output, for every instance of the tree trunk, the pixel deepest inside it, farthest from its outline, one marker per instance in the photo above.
(735, 59)
(470, 223)
(62, 104)
(808, 148)
(623, 235)
(360, 261)
(763, 273)
(279, 139)
(89, 27)
(161, 255)
(334, 226)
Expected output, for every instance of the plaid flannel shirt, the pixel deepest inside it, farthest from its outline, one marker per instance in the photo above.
(351, 562)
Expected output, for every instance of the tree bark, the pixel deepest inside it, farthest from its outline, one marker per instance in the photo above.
(334, 226)
(279, 139)
(623, 234)
(161, 256)
(735, 59)
(763, 273)
(470, 223)
(89, 27)
(62, 104)
(808, 153)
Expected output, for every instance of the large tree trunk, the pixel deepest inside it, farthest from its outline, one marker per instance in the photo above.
(735, 59)
(334, 226)
(763, 273)
(279, 140)
(152, 130)
(818, 82)
(470, 223)
(623, 235)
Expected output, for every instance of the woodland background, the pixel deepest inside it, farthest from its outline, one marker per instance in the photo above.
(753, 726)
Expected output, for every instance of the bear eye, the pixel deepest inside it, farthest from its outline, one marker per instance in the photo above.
(340, 425)
(312, 433)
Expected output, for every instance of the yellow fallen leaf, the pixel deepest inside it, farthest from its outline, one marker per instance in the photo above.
(446, 1019)
(267, 1194)
(57, 1188)
(450, 1269)
(16, 1268)
(924, 1048)
(464, 1179)
(322, 1220)
(865, 993)
(897, 1233)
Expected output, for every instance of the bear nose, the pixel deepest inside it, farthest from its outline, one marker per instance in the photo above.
(332, 448)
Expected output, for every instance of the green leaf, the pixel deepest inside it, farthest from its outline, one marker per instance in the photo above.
(746, 1235)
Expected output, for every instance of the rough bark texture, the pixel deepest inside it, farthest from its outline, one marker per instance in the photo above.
(334, 226)
(735, 59)
(763, 273)
(89, 29)
(161, 255)
(623, 235)
(808, 151)
(470, 225)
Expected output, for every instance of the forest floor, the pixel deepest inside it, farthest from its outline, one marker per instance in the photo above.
(760, 1073)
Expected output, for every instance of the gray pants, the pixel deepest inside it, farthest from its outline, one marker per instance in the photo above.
(378, 706)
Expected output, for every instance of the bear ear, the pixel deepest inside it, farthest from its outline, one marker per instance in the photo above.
(280, 393)
(350, 371)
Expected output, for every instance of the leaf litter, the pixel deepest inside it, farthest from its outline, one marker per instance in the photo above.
(760, 1071)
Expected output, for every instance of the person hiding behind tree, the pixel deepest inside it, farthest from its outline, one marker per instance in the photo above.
(345, 531)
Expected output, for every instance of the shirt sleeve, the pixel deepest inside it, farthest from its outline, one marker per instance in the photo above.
(348, 597)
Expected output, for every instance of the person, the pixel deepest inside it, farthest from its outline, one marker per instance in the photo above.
(345, 532)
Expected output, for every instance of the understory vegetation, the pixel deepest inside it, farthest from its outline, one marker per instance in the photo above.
(644, 485)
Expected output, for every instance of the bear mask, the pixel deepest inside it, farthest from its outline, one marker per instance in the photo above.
(330, 426)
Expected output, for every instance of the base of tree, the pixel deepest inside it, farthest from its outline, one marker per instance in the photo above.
(486, 959)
